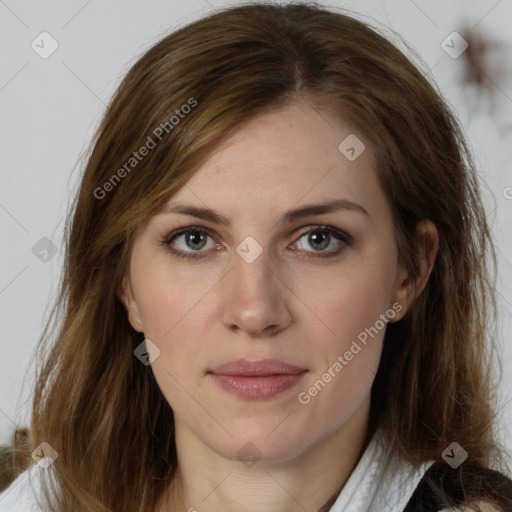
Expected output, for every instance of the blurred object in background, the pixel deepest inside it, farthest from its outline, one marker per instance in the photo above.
(484, 64)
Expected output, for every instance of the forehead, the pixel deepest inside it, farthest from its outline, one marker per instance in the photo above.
(283, 159)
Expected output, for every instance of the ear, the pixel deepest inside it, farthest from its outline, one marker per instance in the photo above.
(125, 294)
(409, 287)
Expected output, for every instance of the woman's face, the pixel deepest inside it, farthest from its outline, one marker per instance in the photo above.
(269, 317)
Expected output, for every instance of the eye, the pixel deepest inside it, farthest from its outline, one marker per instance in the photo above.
(189, 242)
(322, 238)
(185, 242)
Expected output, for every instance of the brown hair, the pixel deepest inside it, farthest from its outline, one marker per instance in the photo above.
(102, 410)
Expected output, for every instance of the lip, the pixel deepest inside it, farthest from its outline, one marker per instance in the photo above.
(257, 380)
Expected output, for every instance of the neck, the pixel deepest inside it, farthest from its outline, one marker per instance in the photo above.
(309, 481)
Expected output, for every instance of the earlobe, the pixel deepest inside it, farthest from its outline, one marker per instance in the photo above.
(125, 294)
(410, 287)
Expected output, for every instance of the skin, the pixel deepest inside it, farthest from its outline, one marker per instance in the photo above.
(287, 304)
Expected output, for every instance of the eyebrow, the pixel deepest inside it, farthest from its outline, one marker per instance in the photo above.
(288, 217)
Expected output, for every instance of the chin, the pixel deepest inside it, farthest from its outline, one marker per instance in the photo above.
(261, 441)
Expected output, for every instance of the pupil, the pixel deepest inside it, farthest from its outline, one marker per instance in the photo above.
(314, 238)
(195, 239)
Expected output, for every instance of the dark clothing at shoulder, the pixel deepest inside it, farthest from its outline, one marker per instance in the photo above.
(443, 487)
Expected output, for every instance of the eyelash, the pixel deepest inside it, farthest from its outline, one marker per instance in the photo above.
(343, 237)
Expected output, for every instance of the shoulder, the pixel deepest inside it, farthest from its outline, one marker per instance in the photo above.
(22, 495)
(448, 490)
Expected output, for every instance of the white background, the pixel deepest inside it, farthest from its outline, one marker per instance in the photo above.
(50, 108)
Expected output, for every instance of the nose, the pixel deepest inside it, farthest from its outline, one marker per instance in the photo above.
(256, 298)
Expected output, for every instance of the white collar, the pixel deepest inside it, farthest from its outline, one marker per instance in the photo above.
(381, 481)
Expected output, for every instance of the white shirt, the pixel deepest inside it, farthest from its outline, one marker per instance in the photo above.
(22, 494)
(381, 482)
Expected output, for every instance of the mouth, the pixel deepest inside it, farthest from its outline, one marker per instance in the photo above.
(257, 380)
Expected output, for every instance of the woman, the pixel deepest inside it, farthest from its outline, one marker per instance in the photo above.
(276, 291)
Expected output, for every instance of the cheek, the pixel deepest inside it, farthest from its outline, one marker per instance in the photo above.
(168, 294)
(348, 358)
(176, 311)
(353, 298)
